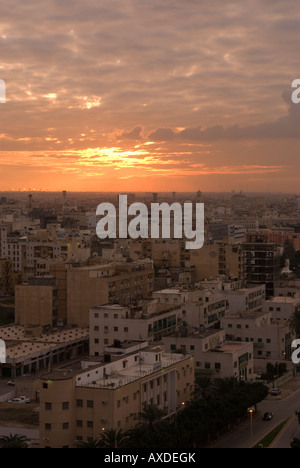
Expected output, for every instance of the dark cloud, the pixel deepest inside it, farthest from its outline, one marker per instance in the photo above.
(134, 134)
(284, 127)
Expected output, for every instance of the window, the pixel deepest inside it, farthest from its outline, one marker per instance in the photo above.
(90, 404)
(118, 403)
(48, 427)
(192, 348)
(65, 405)
(65, 426)
(116, 316)
(96, 315)
(48, 406)
(45, 386)
(90, 424)
(207, 365)
(173, 347)
(217, 366)
(126, 329)
(79, 403)
(79, 423)
(116, 329)
(269, 340)
(96, 328)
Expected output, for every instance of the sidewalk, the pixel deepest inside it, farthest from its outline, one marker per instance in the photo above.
(287, 389)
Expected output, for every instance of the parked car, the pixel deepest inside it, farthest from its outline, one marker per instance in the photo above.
(275, 392)
(25, 399)
(11, 383)
(268, 416)
(18, 401)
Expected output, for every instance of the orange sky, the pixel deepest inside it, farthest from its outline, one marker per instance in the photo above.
(115, 95)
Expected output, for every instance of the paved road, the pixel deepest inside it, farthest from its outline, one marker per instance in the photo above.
(282, 409)
(291, 431)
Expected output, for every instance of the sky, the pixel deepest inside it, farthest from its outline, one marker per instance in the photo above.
(149, 95)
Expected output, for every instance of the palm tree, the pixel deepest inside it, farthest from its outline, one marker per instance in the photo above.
(113, 438)
(295, 323)
(203, 388)
(151, 415)
(14, 441)
(90, 444)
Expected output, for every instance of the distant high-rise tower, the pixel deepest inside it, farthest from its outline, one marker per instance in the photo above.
(30, 201)
(64, 194)
(261, 261)
(155, 197)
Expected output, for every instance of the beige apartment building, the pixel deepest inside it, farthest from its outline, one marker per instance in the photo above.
(36, 302)
(200, 307)
(79, 402)
(216, 259)
(146, 319)
(215, 357)
(90, 286)
(250, 298)
(282, 307)
(271, 339)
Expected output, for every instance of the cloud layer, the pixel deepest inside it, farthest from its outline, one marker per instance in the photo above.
(156, 80)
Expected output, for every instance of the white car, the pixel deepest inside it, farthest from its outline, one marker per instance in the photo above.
(22, 400)
(17, 400)
(25, 399)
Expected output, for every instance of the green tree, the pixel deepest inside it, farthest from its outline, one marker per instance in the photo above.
(295, 444)
(14, 441)
(203, 388)
(90, 444)
(113, 438)
(289, 253)
(295, 323)
(150, 416)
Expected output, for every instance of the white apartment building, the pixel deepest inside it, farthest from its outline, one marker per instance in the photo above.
(79, 401)
(244, 299)
(145, 319)
(214, 357)
(200, 307)
(271, 340)
(282, 307)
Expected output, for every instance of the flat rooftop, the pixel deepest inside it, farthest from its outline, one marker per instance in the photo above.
(246, 315)
(230, 347)
(20, 345)
(284, 299)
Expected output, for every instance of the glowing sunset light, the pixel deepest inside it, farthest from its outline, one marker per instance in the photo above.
(149, 97)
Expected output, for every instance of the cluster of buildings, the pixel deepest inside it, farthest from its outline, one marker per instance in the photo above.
(104, 328)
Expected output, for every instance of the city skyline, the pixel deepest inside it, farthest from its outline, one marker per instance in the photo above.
(139, 97)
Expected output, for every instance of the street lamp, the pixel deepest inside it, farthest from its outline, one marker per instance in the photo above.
(251, 411)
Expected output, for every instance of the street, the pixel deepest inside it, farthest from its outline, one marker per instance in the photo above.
(282, 408)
